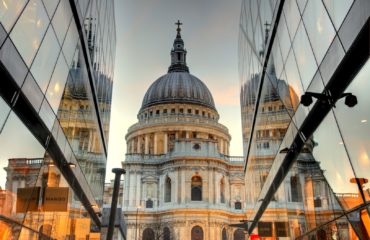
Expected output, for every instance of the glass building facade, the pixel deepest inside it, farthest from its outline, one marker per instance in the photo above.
(56, 66)
(306, 158)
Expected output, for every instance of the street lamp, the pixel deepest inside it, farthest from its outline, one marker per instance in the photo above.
(137, 212)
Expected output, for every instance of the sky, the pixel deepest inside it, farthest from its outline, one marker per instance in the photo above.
(145, 32)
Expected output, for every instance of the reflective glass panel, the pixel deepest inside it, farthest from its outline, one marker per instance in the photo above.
(31, 26)
(70, 43)
(4, 112)
(61, 20)
(50, 6)
(332, 59)
(18, 147)
(14, 65)
(57, 83)
(292, 16)
(305, 59)
(329, 151)
(33, 92)
(46, 57)
(319, 28)
(47, 114)
(9, 12)
(354, 125)
(337, 9)
(294, 80)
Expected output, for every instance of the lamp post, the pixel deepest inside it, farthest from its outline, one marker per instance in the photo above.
(137, 212)
(118, 172)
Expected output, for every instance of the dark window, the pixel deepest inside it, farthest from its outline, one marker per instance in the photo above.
(196, 233)
(178, 56)
(239, 235)
(295, 188)
(197, 112)
(149, 203)
(181, 110)
(189, 111)
(238, 205)
(166, 233)
(196, 188)
(172, 110)
(148, 234)
(224, 234)
(317, 202)
(167, 193)
(150, 113)
(165, 111)
(157, 112)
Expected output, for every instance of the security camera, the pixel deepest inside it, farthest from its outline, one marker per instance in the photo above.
(306, 100)
(350, 100)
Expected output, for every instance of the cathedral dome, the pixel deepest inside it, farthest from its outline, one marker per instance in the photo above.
(178, 85)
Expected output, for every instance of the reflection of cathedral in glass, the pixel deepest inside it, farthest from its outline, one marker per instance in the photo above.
(55, 102)
(305, 165)
(180, 181)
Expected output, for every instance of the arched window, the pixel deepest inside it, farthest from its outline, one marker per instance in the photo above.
(149, 203)
(196, 233)
(196, 188)
(167, 190)
(295, 187)
(224, 234)
(222, 190)
(148, 234)
(166, 233)
(239, 235)
(238, 205)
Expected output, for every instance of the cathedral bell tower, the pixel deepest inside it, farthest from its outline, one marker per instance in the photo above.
(178, 53)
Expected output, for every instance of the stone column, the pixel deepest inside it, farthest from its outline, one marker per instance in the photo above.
(138, 144)
(126, 191)
(155, 143)
(217, 189)
(138, 188)
(160, 190)
(133, 145)
(222, 146)
(211, 186)
(187, 134)
(165, 136)
(183, 186)
(146, 143)
(132, 186)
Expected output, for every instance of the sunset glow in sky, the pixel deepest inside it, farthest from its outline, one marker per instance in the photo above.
(145, 34)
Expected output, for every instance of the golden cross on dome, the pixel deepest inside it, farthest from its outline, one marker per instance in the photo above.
(178, 23)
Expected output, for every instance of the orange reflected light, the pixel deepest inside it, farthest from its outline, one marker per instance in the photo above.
(5, 5)
(341, 143)
(56, 87)
(363, 120)
(364, 158)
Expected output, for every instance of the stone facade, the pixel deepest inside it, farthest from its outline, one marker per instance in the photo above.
(180, 181)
